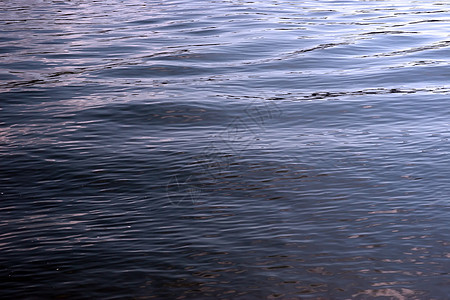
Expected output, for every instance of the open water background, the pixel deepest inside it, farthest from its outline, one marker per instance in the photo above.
(224, 149)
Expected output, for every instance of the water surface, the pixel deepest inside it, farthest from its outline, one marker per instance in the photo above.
(224, 149)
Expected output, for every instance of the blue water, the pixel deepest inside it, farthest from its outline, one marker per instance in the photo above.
(224, 149)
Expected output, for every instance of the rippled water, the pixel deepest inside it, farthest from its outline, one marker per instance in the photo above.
(224, 149)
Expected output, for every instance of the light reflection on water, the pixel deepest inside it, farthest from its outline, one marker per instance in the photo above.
(224, 149)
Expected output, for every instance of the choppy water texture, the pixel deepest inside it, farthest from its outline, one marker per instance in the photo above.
(224, 149)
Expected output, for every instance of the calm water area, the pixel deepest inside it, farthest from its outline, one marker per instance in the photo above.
(224, 149)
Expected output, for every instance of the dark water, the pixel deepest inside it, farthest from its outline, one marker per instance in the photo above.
(224, 149)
